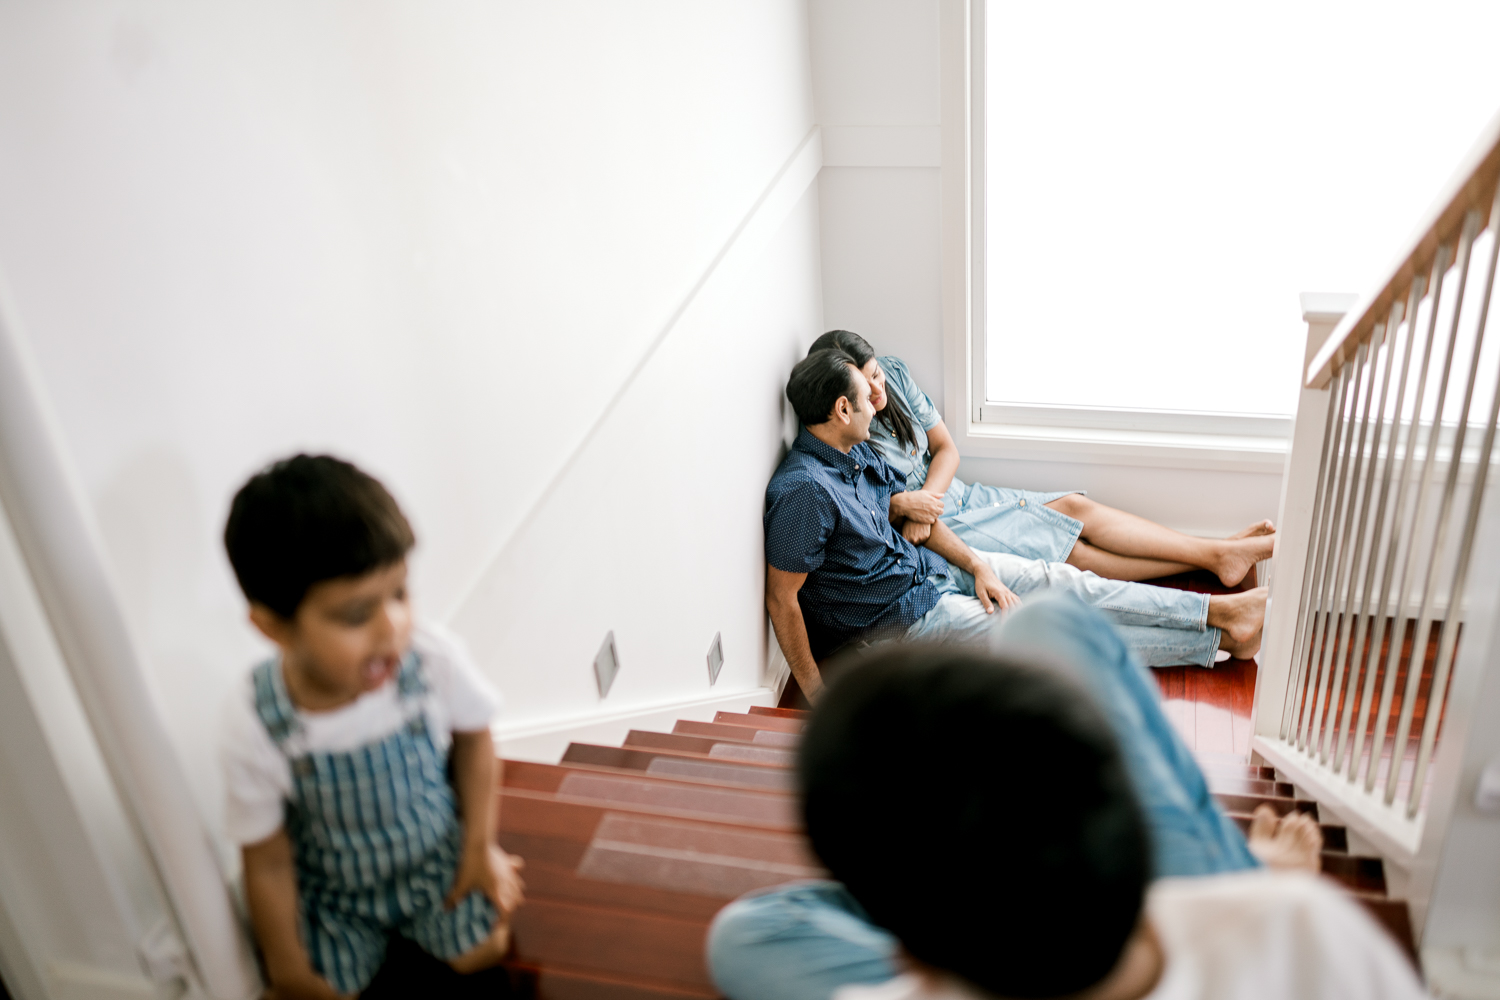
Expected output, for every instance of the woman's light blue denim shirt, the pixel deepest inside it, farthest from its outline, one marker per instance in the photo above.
(988, 518)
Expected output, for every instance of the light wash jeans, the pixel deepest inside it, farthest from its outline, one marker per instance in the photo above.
(1165, 627)
(804, 940)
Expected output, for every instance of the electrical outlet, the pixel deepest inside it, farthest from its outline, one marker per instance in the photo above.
(606, 664)
(715, 660)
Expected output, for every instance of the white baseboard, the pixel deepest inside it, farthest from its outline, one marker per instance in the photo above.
(546, 740)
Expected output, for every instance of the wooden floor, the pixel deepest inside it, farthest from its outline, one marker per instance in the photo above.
(1210, 706)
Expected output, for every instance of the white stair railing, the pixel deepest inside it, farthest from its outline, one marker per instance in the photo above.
(1389, 542)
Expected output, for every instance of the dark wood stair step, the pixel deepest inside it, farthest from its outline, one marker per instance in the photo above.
(549, 933)
(1362, 874)
(733, 750)
(1250, 771)
(741, 734)
(1248, 786)
(779, 713)
(679, 764)
(542, 815)
(1236, 803)
(720, 803)
(557, 983)
(772, 722)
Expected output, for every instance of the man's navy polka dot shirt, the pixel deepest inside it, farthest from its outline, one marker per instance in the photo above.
(828, 515)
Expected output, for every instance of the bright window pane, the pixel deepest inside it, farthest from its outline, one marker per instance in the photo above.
(1164, 178)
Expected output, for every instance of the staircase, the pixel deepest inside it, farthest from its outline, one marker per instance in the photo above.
(631, 850)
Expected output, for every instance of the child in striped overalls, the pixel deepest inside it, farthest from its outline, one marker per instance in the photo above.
(359, 765)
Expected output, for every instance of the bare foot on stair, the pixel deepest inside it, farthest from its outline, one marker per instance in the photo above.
(1239, 617)
(1239, 554)
(1286, 843)
(1264, 527)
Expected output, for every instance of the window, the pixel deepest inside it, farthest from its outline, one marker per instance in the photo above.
(1159, 180)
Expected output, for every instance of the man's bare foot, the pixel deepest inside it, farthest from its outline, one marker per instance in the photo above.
(1286, 843)
(1258, 528)
(1238, 557)
(1239, 618)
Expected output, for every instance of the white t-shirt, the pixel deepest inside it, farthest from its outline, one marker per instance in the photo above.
(1244, 936)
(257, 777)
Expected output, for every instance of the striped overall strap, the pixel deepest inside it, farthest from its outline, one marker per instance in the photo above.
(272, 702)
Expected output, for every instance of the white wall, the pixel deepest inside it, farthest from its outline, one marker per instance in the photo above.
(876, 76)
(455, 243)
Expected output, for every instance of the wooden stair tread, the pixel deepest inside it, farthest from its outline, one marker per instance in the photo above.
(682, 764)
(722, 803)
(1249, 786)
(550, 932)
(555, 982)
(779, 713)
(773, 722)
(733, 750)
(740, 734)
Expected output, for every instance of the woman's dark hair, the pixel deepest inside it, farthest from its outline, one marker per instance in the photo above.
(978, 807)
(307, 519)
(895, 416)
(817, 382)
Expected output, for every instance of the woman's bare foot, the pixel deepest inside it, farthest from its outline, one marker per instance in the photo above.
(1239, 617)
(1286, 843)
(1264, 527)
(1238, 557)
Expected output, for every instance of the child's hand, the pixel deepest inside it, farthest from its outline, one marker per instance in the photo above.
(494, 873)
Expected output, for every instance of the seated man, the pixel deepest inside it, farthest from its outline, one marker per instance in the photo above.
(839, 572)
(996, 821)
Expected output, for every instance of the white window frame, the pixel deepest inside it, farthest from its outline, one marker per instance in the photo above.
(1040, 432)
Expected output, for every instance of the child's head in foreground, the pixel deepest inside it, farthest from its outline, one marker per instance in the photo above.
(979, 809)
(319, 548)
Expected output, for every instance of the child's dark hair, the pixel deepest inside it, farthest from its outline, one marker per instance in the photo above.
(894, 415)
(306, 519)
(817, 382)
(978, 808)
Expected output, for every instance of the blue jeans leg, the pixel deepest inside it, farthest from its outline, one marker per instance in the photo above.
(1165, 627)
(796, 942)
(1190, 833)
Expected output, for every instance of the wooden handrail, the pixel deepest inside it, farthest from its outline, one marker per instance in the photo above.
(1470, 188)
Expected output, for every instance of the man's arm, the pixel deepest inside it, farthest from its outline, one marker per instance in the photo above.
(482, 865)
(271, 892)
(791, 630)
(987, 586)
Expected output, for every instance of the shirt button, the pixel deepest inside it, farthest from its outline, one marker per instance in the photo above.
(1023, 503)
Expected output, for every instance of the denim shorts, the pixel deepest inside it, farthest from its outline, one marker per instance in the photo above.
(999, 519)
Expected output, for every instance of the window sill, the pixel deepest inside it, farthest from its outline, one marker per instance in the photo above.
(1118, 446)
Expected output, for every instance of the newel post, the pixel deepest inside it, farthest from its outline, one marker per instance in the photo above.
(1322, 312)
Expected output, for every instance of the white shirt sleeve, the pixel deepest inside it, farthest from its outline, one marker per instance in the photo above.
(257, 779)
(468, 700)
(1290, 935)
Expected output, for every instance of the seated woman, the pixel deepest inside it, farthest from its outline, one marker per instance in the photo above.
(1064, 526)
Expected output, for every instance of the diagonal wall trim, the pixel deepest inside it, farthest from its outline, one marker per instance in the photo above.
(740, 251)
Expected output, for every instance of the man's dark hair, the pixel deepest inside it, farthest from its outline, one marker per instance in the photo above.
(306, 519)
(979, 809)
(894, 415)
(817, 382)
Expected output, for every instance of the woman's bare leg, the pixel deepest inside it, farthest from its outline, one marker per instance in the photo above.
(1118, 567)
(1125, 534)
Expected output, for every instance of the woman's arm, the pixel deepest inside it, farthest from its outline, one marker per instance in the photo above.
(271, 891)
(944, 462)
